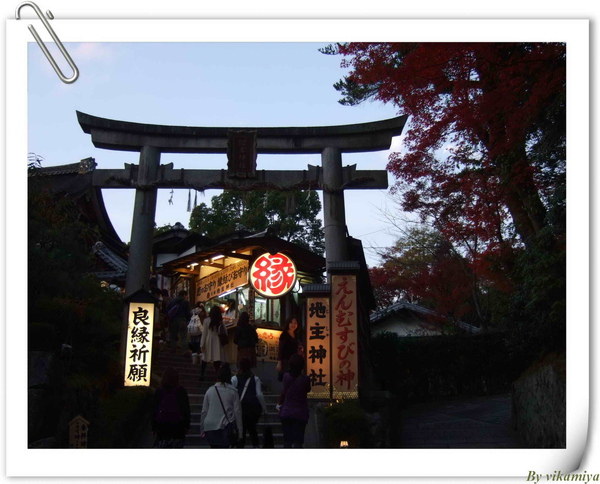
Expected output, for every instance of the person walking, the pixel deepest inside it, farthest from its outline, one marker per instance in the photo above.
(289, 344)
(293, 403)
(179, 313)
(212, 349)
(249, 389)
(171, 412)
(194, 329)
(220, 409)
(246, 339)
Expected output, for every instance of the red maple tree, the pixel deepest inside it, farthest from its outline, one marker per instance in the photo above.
(475, 114)
(485, 153)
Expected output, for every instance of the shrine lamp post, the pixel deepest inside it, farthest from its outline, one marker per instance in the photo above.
(139, 308)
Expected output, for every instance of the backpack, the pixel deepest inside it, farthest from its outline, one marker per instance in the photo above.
(168, 408)
(172, 313)
(195, 326)
(250, 399)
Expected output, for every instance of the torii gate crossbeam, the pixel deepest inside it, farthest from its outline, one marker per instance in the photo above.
(152, 140)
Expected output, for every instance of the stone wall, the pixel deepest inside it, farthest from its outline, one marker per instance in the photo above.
(539, 404)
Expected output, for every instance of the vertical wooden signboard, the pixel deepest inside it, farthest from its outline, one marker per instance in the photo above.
(318, 346)
(138, 355)
(344, 342)
(78, 433)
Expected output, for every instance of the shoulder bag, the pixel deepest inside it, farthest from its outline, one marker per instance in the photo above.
(231, 429)
(223, 338)
(245, 388)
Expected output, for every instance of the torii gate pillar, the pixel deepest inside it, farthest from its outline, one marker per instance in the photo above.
(153, 140)
(142, 229)
(334, 213)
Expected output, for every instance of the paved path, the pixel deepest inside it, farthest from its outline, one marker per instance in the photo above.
(466, 423)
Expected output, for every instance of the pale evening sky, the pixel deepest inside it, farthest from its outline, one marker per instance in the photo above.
(200, 84)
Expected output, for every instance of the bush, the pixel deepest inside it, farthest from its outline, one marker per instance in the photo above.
(427, 368)
(346, 421)
(121, 419)
(42, 337)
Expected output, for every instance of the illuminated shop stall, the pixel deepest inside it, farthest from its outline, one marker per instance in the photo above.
(258, 273)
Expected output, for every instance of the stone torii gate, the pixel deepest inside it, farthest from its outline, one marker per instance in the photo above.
(242, 146)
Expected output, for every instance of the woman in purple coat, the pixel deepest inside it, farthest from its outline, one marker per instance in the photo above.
(293, 403)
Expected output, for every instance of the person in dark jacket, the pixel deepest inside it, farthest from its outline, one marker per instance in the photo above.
(246, 339)
(293, 403)
(252, 399)
(171, 412)
(289, 344)
(178, 322)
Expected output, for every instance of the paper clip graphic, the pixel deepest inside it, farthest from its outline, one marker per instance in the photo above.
(63, 78)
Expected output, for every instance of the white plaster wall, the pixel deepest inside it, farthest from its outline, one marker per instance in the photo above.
(403, 328)
(164, 258)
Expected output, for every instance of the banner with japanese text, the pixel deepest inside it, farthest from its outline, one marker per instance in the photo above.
(232, 276)
(318, 346)
(138, 355)
(268, 344)
(344, 344)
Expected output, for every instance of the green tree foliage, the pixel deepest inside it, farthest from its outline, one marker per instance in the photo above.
(346, 421)
(432, 367)
(67, 306)
(34, 161)
(292, 215)
(484, 160)
(424, 268)
(62, 293)
(162, 229)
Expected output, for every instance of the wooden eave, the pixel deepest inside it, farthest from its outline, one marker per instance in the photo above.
(305, 260)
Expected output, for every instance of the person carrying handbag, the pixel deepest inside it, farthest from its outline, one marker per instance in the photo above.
(252, 399)
(221, 412)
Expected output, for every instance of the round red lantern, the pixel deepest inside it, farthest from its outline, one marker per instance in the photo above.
(273, 275)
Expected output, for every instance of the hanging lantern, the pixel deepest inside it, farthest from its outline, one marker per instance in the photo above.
(273, 275)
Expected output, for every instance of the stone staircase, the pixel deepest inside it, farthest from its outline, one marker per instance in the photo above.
(189, 375)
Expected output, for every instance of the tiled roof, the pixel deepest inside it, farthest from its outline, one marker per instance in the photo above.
(112, 259)
(84, 166)
(396, 307)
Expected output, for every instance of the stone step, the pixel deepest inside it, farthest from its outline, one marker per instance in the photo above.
(194, 440)
(197, 395)
(189, 375)
(196, 406)
(260, 426)
(272, 418)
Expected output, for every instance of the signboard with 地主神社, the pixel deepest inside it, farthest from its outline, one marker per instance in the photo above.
(232, 276)
(318, 346)
(138, 353)
(344, 341)
(273, 275)
(268, 344)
